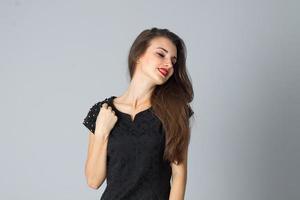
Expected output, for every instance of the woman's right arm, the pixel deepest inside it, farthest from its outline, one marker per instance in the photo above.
(95, 167)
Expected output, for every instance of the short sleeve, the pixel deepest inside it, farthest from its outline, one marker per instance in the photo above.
(91, 117)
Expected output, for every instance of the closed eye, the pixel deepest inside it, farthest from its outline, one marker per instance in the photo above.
(161, 55)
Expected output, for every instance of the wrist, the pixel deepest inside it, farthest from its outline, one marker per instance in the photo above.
(101, 134)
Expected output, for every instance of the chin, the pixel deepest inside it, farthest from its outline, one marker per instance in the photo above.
(161, 81)
(158, 79)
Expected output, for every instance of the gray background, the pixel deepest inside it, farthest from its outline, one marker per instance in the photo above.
(58, 58)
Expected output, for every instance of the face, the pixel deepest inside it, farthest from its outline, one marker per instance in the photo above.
(157, 63)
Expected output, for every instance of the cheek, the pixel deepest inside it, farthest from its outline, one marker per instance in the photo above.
(150, 63)
(171, 72)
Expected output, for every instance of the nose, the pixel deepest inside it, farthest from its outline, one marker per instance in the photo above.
(169, 63)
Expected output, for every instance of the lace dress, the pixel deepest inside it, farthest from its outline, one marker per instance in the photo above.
(135, 166)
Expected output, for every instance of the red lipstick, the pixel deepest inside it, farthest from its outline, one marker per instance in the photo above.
(163, 71)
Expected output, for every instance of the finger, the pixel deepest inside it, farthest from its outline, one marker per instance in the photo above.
(104, 105)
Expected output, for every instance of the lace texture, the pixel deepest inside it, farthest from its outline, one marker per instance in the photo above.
(135, 166)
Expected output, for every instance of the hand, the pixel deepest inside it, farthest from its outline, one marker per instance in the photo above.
(106, 120)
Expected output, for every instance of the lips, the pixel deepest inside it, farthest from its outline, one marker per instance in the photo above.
(163, 71)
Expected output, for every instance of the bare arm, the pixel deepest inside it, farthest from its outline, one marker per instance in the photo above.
(179, 179)
(95, 166)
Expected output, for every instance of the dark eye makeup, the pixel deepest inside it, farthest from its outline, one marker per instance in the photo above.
(161, 55)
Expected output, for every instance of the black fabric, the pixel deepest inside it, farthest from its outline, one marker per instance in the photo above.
(135, 166)
(90, 119)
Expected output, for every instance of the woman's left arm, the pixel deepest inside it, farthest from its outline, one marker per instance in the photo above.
(179, 179)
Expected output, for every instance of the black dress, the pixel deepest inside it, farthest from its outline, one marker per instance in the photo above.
(135, 166)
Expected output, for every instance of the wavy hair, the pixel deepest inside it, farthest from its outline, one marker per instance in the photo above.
(170, 101)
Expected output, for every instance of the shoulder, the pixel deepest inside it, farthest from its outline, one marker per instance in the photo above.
(90, 119)
(96, 106)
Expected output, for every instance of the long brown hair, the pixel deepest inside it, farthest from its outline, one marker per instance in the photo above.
(170, 101)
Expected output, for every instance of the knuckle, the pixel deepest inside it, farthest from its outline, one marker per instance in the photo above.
(105, 105)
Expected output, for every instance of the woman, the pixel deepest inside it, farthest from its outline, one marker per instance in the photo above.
(139, 140)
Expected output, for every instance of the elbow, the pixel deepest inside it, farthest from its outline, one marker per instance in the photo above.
(94, 181)
(93, 184)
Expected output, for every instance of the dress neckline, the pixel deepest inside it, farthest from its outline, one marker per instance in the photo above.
(127, 114)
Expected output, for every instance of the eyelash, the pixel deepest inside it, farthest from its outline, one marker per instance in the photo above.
(161, 55)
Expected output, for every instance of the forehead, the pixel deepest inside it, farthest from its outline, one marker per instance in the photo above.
(164, 43)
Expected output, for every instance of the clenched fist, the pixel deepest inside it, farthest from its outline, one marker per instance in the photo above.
(106, 120)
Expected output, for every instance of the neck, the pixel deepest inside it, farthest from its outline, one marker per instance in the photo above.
(138, 93)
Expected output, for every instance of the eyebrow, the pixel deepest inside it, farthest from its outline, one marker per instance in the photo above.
(166, 51)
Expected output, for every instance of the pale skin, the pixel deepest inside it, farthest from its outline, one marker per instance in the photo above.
(161, 53)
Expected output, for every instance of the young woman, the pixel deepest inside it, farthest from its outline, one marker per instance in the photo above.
(139, 141)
